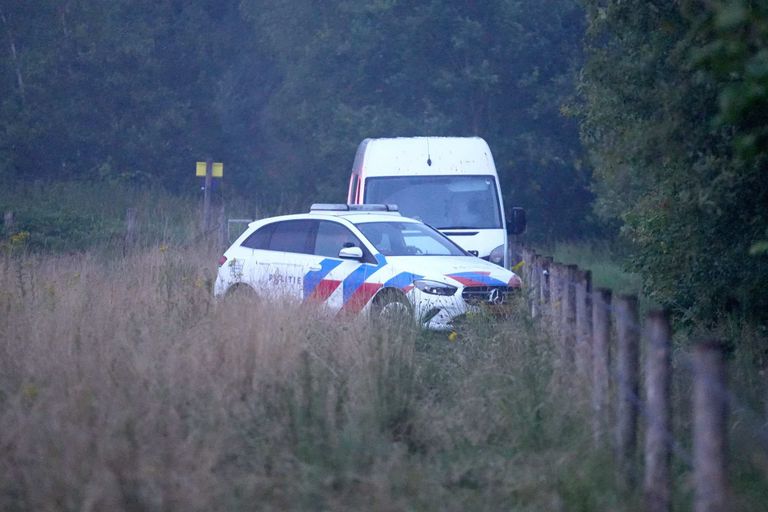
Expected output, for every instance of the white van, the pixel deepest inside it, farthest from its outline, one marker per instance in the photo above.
(449, 183)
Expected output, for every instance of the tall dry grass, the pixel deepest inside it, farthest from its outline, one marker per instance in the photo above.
(125, 386)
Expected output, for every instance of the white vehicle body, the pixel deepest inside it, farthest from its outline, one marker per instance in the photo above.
(450, 183)
(417, 266)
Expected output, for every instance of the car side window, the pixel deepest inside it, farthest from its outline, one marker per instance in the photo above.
(292, 236)
(260, 238)
(385, 237)
(331, 237)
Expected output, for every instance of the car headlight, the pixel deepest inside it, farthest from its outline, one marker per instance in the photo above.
(434, 287)
(497, 256)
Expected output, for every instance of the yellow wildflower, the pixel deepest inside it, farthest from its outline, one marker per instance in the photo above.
(30, 391)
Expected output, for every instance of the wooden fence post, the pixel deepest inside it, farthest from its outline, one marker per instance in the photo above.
(546, 287)
(221, 232)
(130, 228)
(601, 325)
(9, 223)
(763, 371)
(710, 415)
(526, 274)
(525, 253)
(628, 385)
(206, 220)
(535, 286)
(531, 274)
(552, 284)
(584, 325)
(556, 298)
(568, 322)
(657, 486)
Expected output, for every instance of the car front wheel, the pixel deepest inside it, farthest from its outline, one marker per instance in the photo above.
(392, 308)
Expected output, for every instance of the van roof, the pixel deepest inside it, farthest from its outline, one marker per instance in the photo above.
(423, 156)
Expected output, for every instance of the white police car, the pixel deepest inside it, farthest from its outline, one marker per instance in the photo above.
(363, 258)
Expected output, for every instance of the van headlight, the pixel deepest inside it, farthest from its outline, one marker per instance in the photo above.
(497, 256)
(434, 287)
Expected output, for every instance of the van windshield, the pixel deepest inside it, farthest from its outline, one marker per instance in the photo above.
(445, 202)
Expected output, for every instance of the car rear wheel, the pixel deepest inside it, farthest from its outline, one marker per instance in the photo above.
(241, 292)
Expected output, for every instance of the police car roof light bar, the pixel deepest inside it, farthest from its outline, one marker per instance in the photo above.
(328, 207)
(354, 207)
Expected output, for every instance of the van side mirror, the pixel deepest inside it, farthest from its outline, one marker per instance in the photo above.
(516, 221)
(351, 253)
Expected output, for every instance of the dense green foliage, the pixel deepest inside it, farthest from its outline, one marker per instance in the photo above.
(127, 90)
(498, 69)
(71, 216)
(283, 92)
(669, 118)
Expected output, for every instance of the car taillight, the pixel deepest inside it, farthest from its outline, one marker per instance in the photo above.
(222, 260)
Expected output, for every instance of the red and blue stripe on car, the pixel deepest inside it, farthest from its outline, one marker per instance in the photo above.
(357, 290)
(483, 279)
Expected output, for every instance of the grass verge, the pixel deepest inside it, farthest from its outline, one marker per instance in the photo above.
(125, 386)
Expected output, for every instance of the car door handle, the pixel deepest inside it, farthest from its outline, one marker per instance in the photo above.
(315, 267)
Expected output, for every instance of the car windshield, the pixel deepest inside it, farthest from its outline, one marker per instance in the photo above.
(408, 239)
(442, 201)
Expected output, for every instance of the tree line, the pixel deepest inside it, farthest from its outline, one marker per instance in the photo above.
(674, 118)
(283, 92)
(640, 119)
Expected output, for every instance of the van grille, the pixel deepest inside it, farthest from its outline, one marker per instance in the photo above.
(487, 294)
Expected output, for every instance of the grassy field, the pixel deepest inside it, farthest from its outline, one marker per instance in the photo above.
(125, 386)
(607, 271)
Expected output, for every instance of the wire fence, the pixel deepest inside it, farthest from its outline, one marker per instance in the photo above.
(627, 365)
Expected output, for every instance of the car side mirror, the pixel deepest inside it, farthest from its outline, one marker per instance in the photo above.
(516, 221)
(351, 253)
